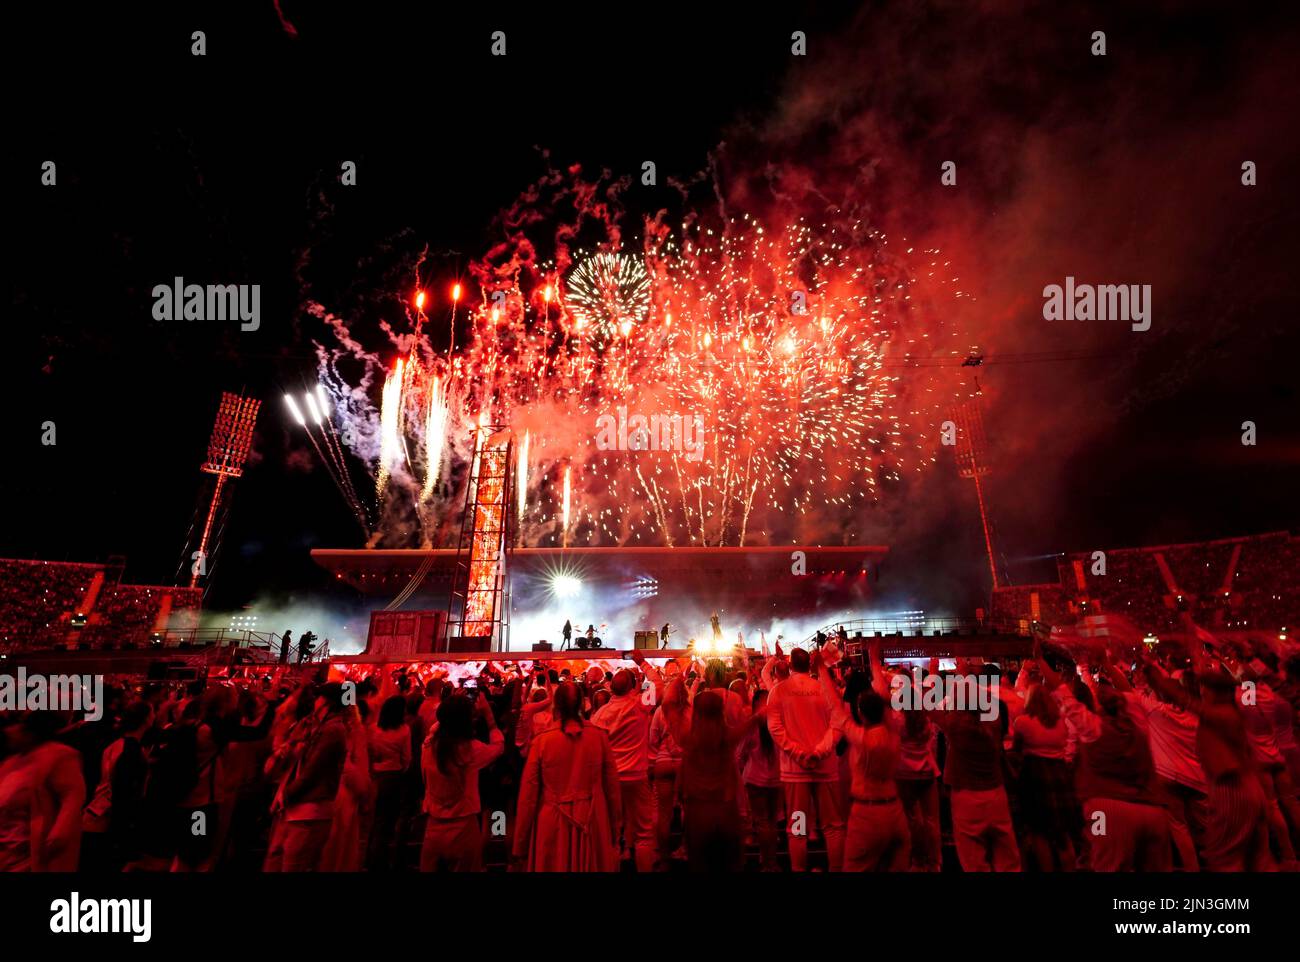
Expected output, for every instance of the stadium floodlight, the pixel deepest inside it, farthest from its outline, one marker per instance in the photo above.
(972, 463)
(232, 437)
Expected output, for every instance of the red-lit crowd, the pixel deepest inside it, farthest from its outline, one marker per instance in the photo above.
(1179, 758)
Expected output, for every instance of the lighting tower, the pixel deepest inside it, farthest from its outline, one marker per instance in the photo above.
(972, 463)
(232, 436)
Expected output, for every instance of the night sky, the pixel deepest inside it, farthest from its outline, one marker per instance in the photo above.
(1117, 169)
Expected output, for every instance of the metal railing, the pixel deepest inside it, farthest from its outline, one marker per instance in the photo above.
(914, 627)
(210, 640)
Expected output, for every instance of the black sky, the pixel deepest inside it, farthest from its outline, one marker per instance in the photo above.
(220, 167)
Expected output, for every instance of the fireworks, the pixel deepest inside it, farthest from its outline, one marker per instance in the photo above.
(521, 479)
(435, 434)
(608, 292)
(564, 510)
(293, 409)
(331, 452)
(779, 339)
(390, 427)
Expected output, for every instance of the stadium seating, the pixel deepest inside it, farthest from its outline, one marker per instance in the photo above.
(49, 604)
(1152, 585)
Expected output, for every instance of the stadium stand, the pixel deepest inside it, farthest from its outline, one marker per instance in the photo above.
(1240, 583)
(52, 604)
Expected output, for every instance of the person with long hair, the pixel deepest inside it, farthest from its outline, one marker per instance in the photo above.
(735, 705)
(877, 838)
(850, 689)
(760, 771)
(390, 757)
(199, 730)
(316, 753)
(1047, 799)
(452, 760)
(110, 817)
(533, 702)
(917, 778)
(710, 782)
(570, 801)
(350, 825)
(665, 760)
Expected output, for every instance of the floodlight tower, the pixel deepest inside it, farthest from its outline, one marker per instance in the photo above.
(232, 436)
(972, 463)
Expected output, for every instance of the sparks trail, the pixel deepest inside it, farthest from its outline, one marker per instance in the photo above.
(331, 455)
(787, 340)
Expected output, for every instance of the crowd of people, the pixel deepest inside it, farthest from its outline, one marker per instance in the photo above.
(34, 597)
(1246, 583)
(1122, 758)
(51, 604)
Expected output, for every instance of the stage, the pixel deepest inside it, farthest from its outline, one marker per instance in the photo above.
(768, 591)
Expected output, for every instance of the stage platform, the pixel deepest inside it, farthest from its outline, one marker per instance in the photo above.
(571, 654)
(619, 591)
(990, 645)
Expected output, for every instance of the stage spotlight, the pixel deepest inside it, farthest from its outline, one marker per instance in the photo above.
(645, 587)
(565, 586)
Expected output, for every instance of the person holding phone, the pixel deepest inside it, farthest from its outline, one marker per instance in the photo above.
(451, 759)
(535, 707)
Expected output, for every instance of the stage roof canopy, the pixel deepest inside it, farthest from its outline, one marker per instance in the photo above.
(388, 570)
